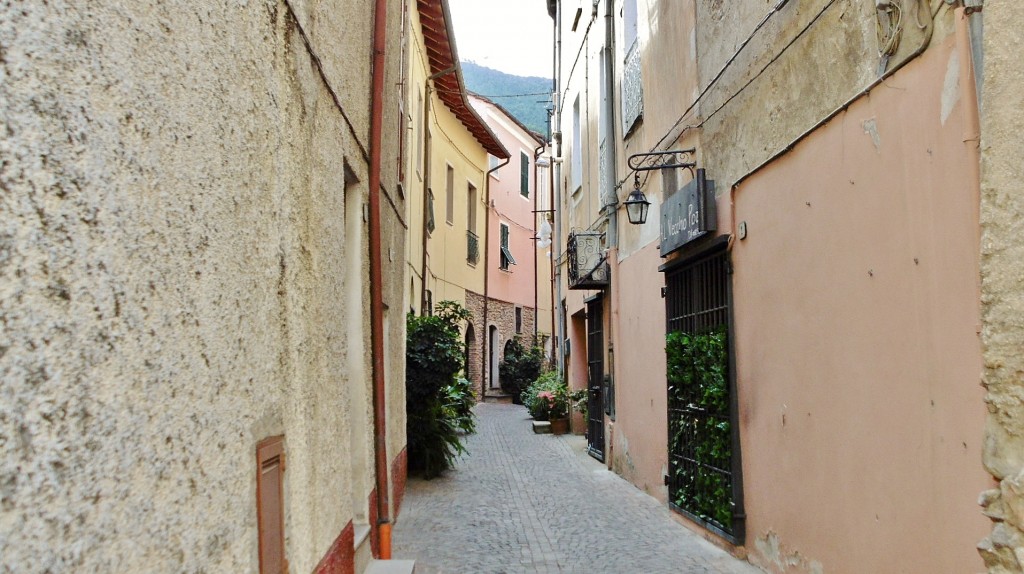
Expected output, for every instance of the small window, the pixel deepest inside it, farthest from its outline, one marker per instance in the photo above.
(524, 174)
(519, 319)
(506, 255)
(449, 195)
(428, 304)
(270, 504)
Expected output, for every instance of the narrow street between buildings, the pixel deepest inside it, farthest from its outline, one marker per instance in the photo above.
(521, 502)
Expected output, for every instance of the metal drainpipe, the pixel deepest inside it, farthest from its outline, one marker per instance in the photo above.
(536, 192)
(611, 195)
(376, 287)
(487, 297)
(556, 160)
(977, 30)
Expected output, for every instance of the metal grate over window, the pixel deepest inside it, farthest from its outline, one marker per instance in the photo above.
(703, 447)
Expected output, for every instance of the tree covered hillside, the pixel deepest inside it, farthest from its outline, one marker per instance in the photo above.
(531, 109)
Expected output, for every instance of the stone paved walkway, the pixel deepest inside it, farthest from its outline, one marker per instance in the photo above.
(520, 502)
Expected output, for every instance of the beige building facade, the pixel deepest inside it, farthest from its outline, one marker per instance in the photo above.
(186, 231)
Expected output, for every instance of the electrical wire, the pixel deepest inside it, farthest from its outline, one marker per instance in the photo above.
(775, 9)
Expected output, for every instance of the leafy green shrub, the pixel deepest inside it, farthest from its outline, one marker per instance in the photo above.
(540, 407)
(458, 404)
(698, 378)
(434, 356)
(519, 368)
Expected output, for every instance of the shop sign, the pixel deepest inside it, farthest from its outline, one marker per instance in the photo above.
(688, 214)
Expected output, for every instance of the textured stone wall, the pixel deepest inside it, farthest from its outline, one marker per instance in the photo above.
(475, 305)
(175, 278)
(500, 314)
(1002, 266)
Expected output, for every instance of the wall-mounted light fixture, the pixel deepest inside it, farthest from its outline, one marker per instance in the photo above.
(637, 204)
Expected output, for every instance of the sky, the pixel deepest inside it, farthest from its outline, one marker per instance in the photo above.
(513, 36)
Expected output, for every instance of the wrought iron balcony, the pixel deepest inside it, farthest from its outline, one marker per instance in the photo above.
(472, 248)
(587, 266)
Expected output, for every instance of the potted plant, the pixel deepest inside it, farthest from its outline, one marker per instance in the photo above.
(558, 409)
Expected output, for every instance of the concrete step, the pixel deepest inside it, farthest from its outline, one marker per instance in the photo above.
(541, 427)
(497, 397)
(391, 567)
(361, 546)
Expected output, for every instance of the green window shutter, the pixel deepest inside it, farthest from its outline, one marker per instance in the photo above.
(524, 174)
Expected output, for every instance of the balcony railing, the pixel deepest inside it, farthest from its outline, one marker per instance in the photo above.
(587, 266)
(472, 248)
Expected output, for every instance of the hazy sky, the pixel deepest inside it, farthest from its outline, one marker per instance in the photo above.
(513, 36)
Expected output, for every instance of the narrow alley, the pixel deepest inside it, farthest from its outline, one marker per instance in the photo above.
(520, 502)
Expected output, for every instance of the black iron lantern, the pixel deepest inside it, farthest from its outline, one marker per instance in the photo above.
(637, 205)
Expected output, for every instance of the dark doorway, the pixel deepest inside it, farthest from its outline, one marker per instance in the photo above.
(595, 378)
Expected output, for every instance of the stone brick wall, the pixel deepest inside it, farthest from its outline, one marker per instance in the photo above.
(1002, 300)
(475, 304)
(502, 315)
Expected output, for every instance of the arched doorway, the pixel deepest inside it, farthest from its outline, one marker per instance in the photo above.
(470, 340)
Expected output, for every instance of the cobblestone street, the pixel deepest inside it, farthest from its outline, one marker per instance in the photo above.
(520, 502)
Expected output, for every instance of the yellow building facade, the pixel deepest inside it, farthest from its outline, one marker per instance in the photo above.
(449, 151)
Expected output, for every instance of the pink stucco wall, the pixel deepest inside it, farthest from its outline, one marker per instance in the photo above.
(856, 309)
(508, 205)
(858, 361)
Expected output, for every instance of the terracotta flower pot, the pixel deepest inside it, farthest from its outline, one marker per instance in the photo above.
(559, 426)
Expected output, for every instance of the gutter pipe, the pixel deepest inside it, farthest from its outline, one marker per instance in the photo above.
(556, 160)
(376, 282)
(536, 194)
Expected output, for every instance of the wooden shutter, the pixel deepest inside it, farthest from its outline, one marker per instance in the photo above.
(270, 505)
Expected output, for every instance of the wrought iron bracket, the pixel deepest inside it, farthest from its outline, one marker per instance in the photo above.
(661, 160)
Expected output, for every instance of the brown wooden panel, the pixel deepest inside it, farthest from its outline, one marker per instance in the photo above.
(270, 505)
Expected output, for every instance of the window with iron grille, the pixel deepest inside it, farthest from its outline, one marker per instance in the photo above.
(703, 447)
(519, 319)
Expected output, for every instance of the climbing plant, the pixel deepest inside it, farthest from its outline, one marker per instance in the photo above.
(700, 438)
(519, 367)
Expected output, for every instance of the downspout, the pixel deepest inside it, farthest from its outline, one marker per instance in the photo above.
(376, 282)
(556, 168)
(976, 25)
(611, 195)
(536, 193)
(484, 374)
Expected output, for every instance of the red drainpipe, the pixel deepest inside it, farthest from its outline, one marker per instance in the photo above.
(376, 292)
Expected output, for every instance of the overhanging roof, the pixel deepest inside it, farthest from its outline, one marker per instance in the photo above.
(439, 42)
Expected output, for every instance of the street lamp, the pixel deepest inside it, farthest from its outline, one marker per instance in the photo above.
(636, 204)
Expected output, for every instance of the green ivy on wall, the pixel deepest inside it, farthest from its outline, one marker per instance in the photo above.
(700, 438)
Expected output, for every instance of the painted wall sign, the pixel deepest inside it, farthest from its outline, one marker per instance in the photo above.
(689, 214)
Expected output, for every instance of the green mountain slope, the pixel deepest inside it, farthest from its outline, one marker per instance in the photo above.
(529, 109)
